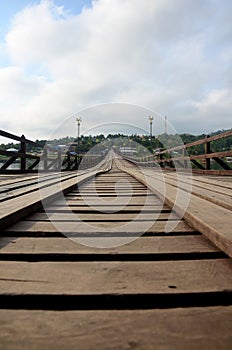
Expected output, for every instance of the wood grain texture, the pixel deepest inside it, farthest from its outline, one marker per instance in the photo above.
(211, 219)
(78, 278)
(95, 227)
(145, 245)
(192, 328)
(123, 297)
(81, 207)
(141, 200)
(17, 208)
(214, 193)
(106, 217)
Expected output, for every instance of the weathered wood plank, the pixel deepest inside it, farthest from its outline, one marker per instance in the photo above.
(174, 329)
(74, 194)
(112, 191)
(25, 179)
(145, 245)
(78, 278)
(212, 193)
(118, 227)
(215, 181)
(15, 209)
(14, 192)
(210, 219)
(117, 208)
(151, 200)
(41, 281)
(93, 216)
(14, 179)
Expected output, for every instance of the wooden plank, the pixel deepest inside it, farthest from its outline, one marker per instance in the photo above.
(93, 216)
(14, 179)
(101, 278)
(59, 208)
(141, 200)
(145, 245)
(212, 193)
(171, 329)
(40, 282)
(26, 186)
(224, 180)
(22, 187)
(121, 193)
(11, 206)
(225, 173)
(15, 209)
(10, 192)
(136, 228)
(215, 182)
(210, 183)
(108, 181)
(111, 189)
(111, 184)
(210, 219)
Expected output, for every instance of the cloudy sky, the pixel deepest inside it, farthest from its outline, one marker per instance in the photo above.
(58, 57)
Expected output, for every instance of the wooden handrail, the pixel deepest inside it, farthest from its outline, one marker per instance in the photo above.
(23, 155)
(18, 138)
(70, 160)
(168, 161)
(198, 142)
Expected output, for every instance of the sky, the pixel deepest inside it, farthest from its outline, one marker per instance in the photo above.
(60, 57)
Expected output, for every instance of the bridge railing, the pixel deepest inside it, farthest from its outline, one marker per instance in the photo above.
(202, 162)
(50, 158)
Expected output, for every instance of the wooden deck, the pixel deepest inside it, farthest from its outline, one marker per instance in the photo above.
(144, 290)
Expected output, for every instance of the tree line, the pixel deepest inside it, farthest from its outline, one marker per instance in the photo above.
(99, 142)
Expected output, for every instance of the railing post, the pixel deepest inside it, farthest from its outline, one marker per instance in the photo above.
(59, 165)
(184, 155)
(23, 149)
(45, 158)
(161, 157)
(207, 151)
(75, 162)
(69, 161)
(171, 162)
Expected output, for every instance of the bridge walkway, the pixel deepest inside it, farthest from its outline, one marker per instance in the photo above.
(143, 289)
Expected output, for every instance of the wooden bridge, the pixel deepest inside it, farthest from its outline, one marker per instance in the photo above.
(162, 278)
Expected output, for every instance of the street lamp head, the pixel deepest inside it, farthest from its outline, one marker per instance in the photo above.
(79, 119)
(150, 118)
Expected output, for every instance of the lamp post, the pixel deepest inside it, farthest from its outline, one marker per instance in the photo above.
(165, 125)
(150, 118)
(79, 120)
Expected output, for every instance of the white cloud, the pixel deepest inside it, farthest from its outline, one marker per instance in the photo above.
(16, 91)
(159, 54)
(217, 104)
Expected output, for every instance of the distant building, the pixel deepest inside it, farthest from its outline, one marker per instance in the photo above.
(128, 151)
(12, 150)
